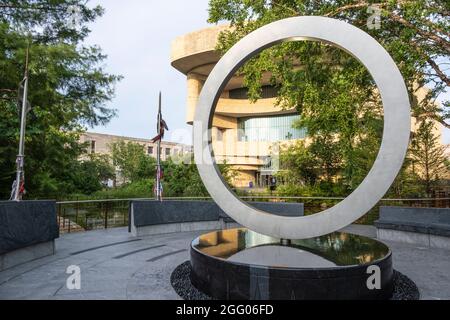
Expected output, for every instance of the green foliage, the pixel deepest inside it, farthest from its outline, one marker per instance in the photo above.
(298, 166)
(320, 164)
(336, 97)
(292, 190)
(138, 189)
(428, 156)
(68, 88)
(183, 180)
(180, 179)
(131, 160)
(407, 183)
(415, 33)
(92, 174)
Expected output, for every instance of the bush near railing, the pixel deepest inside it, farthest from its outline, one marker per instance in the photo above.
(84, 215)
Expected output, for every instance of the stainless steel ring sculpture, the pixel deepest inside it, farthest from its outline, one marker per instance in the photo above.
(395, 133)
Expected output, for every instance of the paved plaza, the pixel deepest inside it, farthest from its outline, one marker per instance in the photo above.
(116, 265)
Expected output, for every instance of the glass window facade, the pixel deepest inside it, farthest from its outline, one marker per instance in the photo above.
(272, 128)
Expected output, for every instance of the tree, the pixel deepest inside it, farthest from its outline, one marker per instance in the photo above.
(407, 183)
(428, 156)
(297, 165)
(325, 152)
(91, 175)
(315, 164)
(183, 179)
(334, 94)
(415, 32)
(131, 160)
(68, 89)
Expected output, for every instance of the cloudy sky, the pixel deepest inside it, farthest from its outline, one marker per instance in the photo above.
(136, 35)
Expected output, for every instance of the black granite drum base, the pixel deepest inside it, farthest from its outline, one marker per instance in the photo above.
(242, 264)
(404, 287)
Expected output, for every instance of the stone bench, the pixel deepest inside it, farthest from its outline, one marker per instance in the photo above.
(423, 226)
(151, 217)
(27, 231)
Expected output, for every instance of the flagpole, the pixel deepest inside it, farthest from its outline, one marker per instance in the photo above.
(20, 157)
(158, 154)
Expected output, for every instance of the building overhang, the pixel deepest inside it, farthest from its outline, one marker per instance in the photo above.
(196, 51)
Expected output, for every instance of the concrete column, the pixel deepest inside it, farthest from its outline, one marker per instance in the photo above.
(194, 86)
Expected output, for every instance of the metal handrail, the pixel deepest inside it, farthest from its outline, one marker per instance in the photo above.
(246, 197)
(107, 213)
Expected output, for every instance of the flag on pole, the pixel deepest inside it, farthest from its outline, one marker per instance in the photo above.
(161, 127)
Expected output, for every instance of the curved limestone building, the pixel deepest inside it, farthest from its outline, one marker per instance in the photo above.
(245, 134)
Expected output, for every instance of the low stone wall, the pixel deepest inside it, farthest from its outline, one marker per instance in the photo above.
(423, 226)
(149, 217)
(27, 231)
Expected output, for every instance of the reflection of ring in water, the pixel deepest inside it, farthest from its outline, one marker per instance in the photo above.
(280, 256)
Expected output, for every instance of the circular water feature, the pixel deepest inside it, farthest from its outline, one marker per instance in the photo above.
(242, 264)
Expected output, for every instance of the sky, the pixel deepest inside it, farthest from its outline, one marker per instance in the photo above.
(136, 35)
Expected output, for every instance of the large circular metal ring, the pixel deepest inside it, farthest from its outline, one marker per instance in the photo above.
(395, 133)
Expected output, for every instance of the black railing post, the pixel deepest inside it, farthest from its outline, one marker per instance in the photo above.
(76, 211)
(59, 214)
(69, 224)
(125, 217)
(64, 218)
(106, 215)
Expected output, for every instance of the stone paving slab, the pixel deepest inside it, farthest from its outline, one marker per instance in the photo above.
(115, 265)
